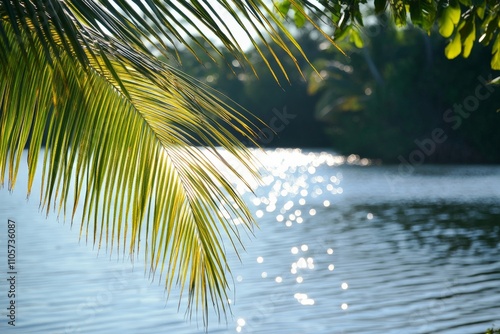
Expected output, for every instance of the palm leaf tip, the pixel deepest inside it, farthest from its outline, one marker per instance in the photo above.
(122, 153)
(121, 129)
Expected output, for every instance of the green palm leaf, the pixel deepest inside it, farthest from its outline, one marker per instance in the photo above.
(123, 131)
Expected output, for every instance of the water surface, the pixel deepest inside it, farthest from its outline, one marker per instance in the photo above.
(342, 247)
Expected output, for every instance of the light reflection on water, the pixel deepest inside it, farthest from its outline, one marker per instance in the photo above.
(342, 247)
(376, 250)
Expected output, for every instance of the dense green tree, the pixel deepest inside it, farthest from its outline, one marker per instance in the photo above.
(387, 98)
(464, 22)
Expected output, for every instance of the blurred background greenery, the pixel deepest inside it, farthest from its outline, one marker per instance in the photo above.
(377, 100)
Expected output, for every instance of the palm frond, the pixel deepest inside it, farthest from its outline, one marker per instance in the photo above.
(122, 130)
(129, 160)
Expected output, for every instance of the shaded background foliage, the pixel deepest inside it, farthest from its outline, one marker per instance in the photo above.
(260, 94)
(375, 101)
(404, 95)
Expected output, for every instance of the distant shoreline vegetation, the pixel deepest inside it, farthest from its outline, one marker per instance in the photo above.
(398, 100)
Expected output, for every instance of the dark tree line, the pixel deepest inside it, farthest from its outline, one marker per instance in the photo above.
(380, 101)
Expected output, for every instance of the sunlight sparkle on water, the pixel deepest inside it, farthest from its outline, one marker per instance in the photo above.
(241, 323)
(270, 208)
(303, 299)
(317, 179)
(302, 263)
(307, 301)
(268, 179)
(310, 263)
(296, 190)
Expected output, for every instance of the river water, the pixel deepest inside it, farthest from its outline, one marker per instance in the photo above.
(342, 247)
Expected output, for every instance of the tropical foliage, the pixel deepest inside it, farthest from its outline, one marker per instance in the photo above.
(380, 100)
(388, 98)
(464, 22)
(122, 130)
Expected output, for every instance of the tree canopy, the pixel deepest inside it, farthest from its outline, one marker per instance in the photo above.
(388, 98)
(464, 22)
